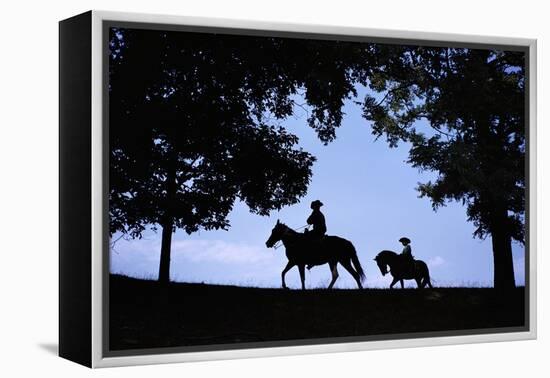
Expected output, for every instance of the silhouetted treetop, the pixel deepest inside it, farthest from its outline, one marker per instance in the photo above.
(255, 74)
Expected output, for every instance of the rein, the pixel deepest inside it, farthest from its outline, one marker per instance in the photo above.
(280, 243)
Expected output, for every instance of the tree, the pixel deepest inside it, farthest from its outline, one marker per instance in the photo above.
(192, 124)
(473, 102)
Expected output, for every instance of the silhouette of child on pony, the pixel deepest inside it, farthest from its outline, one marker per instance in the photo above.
(408, 258)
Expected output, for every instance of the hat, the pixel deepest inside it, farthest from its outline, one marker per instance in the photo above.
(405, 240)
(317, 203)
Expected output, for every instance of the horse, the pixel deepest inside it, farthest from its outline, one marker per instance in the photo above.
(400, 271)
(302, 251)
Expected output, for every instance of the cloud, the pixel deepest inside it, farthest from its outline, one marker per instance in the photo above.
(220, 251)
(436, 261)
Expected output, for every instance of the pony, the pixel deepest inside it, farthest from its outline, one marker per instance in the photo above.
(400, 270)
(301, 250)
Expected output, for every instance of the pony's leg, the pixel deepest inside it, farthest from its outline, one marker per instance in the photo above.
(402, 284)
(301, 268)
(419, 282)
(347, 266)
(334, 272)
(286, 269)
(393, 282)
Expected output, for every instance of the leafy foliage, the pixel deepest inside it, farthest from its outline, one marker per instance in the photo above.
(473, 102)
(193, 122)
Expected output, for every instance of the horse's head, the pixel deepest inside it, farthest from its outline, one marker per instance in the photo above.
(382, 264)
(276, 234)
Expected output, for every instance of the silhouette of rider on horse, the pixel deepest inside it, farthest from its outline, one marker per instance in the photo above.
(319, 227)
(406, 254)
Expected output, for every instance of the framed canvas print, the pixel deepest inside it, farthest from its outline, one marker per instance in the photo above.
(234, 189)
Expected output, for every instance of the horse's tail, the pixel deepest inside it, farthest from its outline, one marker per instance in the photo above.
(427, 280)
(356, 263)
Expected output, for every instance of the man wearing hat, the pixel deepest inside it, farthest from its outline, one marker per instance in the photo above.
(407, 253)
(317, 220)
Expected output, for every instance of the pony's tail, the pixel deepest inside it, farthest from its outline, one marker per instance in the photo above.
(427, 281)
(357, 264)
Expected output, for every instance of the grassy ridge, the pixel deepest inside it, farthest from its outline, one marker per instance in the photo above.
(146, 314)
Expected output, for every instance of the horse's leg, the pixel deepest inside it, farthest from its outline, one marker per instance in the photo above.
(419, 282)
(301, 268)
(286, 269)
(347, 266)
(402, 284)
(334, 272)
(393, 282)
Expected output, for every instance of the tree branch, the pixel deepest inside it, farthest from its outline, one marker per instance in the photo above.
(403, 86)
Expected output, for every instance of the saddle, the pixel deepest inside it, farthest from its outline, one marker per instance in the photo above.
(409, 265)
(313, 237)
(315, 246)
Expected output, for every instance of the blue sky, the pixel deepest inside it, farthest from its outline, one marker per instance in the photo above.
(369, 197)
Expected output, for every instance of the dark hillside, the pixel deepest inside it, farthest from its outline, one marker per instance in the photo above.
(147, 314)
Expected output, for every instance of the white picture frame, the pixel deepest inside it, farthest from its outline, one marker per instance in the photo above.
(97, 263)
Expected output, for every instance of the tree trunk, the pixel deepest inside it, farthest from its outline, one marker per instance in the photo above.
(167, 226)
(502, 255)
(164, 270)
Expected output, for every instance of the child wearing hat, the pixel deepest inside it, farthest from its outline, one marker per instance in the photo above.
(406, 247)
(407, 253)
